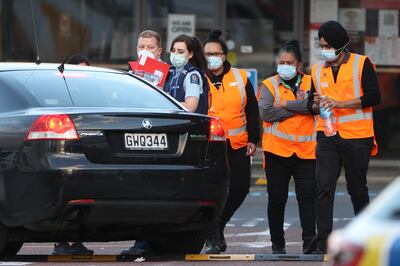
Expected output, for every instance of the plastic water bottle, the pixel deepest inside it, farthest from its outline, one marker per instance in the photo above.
(329, 124)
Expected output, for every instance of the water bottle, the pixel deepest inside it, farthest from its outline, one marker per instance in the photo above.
(328, 120)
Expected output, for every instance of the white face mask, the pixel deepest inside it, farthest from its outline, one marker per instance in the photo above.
(214, 62)
(287, 72)
(146, 53)
(178, 60)
(330, 55)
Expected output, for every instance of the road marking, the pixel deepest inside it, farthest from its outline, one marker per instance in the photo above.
(342, 219)
(14, 263)
(253, 222)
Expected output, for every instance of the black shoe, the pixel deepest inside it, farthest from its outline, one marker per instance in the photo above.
(320, 247)
(212, 244)
(221, 241)
(77, 248)
(318, 251)
(309, 246)
(140, 248)
(212, 248)
(278, 249)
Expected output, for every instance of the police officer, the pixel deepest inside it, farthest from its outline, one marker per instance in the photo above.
(233, 101)
(288, 144)
(347, 84)
(186, 81)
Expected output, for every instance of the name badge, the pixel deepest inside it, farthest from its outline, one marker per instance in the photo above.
(233, 84)
(325, 84)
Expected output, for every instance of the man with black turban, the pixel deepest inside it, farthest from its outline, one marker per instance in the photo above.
(346, 84)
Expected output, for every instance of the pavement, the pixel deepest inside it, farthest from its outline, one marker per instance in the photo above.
(380, 170)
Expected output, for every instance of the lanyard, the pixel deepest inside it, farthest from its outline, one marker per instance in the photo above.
(174, 83)
(298, 81)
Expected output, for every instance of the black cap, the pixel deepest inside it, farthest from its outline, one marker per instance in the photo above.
(334, 34)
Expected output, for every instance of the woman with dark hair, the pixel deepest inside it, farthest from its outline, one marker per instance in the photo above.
(289, 144)
(186, 81)
(78, 60)
(234, 103)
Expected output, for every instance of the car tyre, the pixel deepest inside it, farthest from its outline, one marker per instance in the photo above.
(4, 232)
(187, 242)
(12, 248)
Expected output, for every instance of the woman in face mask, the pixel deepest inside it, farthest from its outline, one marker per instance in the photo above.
(234, 103)
(288, 144)
(186, 80)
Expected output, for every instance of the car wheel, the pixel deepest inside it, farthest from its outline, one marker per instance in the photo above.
(187, 242)
(12, 248)
(3, 237)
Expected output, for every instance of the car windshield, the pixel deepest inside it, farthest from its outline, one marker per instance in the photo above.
(86, 89)
(386, 205)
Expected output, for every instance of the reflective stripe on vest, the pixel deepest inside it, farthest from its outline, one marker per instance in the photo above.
(274, 128)
(359, 115)
(237, 131)
(242, 90)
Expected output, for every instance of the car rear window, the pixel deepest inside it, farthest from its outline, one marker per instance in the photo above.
(87, 89)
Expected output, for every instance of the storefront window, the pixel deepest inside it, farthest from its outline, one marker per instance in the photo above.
(255, 29)
(102, 30)
(158, 11)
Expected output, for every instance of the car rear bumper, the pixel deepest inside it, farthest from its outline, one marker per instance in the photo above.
(116, 194)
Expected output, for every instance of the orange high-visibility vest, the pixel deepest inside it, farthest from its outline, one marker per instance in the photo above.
(228, 103)
(295, 134)
(350, 123)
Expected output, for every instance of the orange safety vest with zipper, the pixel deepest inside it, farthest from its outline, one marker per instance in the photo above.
(350, 123)
(294, 135)
(228, 103)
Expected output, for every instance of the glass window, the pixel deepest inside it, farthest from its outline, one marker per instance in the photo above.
(255, 29)
(158, 10)
(102, 30)
(87, 89)
(9, 100)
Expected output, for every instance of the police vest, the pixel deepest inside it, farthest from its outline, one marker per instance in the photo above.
(350, 123)
(175, 87)
(294, 135)
(228, 103)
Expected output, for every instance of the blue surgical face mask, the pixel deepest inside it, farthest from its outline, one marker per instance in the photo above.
(329, 55)
(214, 62)
(178, 60)
(287, 72)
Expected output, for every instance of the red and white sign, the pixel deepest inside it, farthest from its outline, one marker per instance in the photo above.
(380, 4)
(153, 70)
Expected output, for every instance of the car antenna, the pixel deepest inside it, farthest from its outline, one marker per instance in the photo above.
(36, 37)
(61, 67)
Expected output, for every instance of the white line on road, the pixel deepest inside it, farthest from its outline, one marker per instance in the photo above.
(253, 222)
(14, 263)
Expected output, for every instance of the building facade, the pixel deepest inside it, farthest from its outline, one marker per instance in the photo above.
(106, 32)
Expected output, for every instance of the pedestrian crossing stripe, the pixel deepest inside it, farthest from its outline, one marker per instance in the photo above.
(187, 257)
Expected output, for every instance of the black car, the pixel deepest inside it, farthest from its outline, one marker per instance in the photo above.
(94, 154)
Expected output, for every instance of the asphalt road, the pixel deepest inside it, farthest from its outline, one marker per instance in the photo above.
(246, 233)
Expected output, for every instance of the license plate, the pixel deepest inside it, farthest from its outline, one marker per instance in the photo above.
(138, 141)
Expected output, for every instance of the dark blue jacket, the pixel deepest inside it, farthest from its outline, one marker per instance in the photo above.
(174, 86)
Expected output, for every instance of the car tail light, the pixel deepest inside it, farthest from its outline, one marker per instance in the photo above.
(217, 132)
(348, 255)
(56, 126)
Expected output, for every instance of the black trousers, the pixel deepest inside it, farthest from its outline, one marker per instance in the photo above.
(239, 184)
(332, 153)
(278, 171)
